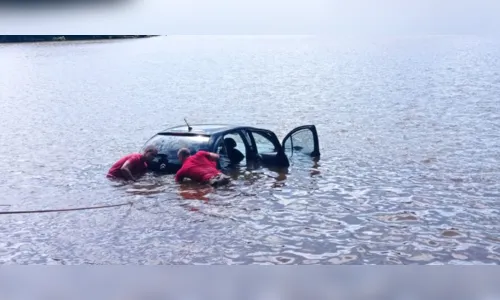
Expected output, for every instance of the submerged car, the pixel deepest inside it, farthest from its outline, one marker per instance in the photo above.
(239, 145)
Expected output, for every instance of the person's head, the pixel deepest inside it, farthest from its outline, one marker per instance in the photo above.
(230, 143)
(150, 153)
(182, 154)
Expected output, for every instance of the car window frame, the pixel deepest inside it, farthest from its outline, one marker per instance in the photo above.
(270, 135)
(220, 140)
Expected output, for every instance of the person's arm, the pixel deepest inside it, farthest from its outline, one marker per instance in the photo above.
(212, 156)
(126, 170)
(179, 176)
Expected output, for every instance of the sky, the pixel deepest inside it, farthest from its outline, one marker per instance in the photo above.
(341, 17)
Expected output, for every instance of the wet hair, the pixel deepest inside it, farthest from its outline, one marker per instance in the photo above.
(184, 152)
(230, 143)
(151, 149)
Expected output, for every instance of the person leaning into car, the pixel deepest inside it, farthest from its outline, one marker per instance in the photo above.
(132, 166)
(200, 167)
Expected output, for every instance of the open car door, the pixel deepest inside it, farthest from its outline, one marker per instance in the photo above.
(302, 143)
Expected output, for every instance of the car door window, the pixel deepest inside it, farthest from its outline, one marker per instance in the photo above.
(240, 144)
(300, 142)
(232, 148)
(263, 143)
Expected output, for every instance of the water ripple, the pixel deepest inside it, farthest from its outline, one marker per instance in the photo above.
(409, 136)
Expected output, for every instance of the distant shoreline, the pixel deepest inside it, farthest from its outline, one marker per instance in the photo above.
(62, 38)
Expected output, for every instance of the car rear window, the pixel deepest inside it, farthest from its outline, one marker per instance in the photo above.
(170, 144)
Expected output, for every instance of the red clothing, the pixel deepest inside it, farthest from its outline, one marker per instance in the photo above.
(137, 166)
(198, 167)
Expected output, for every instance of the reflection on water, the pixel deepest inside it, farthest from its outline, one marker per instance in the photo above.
(195, 192)
(409, 136)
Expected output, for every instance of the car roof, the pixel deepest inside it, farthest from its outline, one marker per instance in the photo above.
(202, 129)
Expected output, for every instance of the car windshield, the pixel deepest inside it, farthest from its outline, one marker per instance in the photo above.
(170, 144)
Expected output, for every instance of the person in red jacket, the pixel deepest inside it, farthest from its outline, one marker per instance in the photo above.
(200, 167)
(132, 166)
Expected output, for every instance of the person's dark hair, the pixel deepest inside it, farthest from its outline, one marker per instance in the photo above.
(230, 143)
(151, 149)
(183, 152)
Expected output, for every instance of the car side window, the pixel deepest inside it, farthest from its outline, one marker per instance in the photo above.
(236, 137)
(264, 144)
(232, 147)
(301, 141)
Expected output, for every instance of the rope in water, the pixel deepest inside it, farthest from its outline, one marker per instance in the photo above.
(62, 209)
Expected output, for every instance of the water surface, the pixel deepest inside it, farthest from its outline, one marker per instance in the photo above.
(409, 135)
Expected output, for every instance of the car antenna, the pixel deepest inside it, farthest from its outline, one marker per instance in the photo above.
(189, 127)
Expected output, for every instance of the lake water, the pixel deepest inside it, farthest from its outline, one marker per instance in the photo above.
(409, 132)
